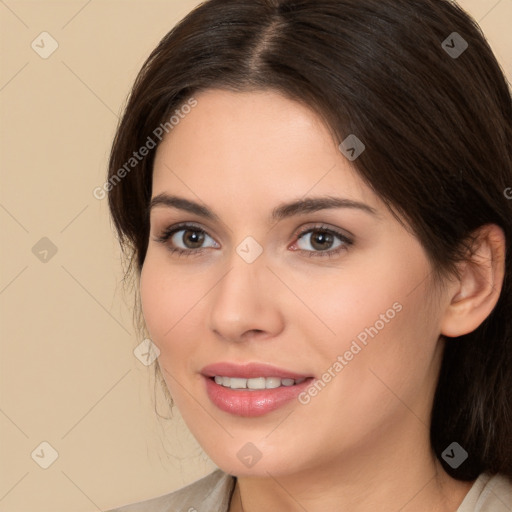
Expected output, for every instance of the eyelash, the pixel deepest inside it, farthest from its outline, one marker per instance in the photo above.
(170, 231)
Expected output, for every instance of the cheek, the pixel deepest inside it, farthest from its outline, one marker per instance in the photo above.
(348, 302)
(153, 298)
(387, 350)
(379, 321)
(172, 304)
(164, 301)
(166, 296)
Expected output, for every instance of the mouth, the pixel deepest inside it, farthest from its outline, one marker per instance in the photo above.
(252, 389)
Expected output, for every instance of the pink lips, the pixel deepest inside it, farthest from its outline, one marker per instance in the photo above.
(251, 403)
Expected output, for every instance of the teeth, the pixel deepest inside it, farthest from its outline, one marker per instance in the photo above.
(258, 383)
(272, 382)
(236, 383)
(255, 383)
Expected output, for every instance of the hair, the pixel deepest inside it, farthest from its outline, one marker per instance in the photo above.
(438, 135)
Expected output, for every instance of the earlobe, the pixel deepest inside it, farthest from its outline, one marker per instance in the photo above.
(475, 294)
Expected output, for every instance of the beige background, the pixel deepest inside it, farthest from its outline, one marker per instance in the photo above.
(68, 375)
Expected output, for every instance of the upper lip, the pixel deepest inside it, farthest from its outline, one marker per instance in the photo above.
(249, 371)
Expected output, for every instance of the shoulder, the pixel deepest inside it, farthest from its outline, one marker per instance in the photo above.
(212, 492)
(488, 494)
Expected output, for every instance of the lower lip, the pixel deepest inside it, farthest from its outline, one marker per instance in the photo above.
(252, 403)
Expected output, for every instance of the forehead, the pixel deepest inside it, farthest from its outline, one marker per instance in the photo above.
(252, 146)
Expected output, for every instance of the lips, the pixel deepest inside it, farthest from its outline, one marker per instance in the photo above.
(252, 389)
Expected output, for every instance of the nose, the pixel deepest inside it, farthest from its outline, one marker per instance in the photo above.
(246, 302)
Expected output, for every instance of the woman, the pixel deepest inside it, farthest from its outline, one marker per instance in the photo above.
(313, 195)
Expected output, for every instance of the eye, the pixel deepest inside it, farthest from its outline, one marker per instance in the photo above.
(324, 241)
(185, 239)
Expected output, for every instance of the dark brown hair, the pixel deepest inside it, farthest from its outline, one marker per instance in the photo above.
(437, 127)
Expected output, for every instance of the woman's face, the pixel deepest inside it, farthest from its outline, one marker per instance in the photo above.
(338, 294)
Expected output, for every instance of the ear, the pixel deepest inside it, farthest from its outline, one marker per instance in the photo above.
(474, 295)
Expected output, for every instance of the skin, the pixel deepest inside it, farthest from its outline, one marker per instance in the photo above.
(362, 443)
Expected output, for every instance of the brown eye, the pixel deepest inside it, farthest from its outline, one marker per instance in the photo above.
(191, 239)
(320, 240)
(185, 239)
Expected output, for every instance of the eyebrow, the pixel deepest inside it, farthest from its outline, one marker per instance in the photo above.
(285, 210)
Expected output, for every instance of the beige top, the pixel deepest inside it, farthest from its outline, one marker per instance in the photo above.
(213, 493)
